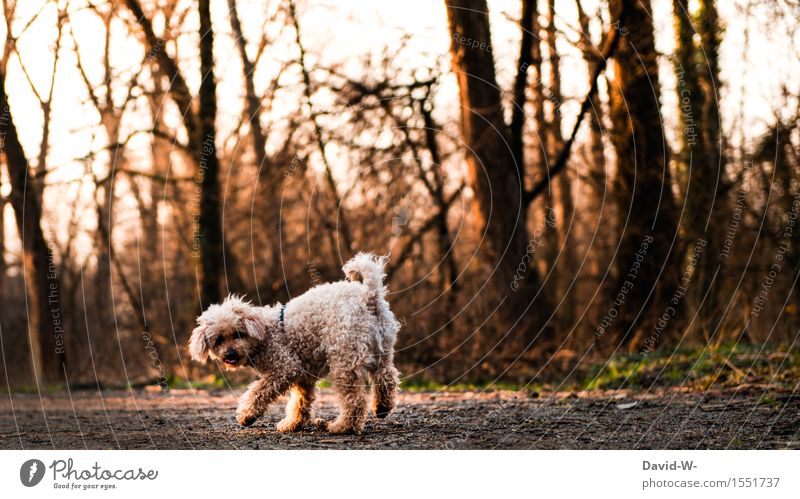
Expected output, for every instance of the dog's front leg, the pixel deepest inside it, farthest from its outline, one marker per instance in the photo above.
(255, 401)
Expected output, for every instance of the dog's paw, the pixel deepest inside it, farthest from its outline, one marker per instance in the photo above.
(381, 411)
(246, 418)
(288, 425)
(320, 423)
(338, 428)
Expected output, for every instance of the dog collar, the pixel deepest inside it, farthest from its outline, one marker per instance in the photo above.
(280, 321)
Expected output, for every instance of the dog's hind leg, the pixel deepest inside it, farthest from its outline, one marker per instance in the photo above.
(384, 386)
(299, 409)
(352, 400)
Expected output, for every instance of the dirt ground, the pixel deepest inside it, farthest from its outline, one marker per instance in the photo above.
(192, 419)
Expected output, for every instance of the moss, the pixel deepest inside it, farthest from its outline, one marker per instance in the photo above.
(770, 401)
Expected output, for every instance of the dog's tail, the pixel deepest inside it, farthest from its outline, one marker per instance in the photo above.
(369, 269)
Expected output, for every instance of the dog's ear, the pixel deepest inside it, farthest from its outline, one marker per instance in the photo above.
(254, 324)
(198, 344)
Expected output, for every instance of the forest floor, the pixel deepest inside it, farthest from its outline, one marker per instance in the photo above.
(745, 417)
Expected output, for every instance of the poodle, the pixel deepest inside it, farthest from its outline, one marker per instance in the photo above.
(343, 331)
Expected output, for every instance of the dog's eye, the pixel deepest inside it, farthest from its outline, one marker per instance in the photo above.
(218, 341)
(239, 334)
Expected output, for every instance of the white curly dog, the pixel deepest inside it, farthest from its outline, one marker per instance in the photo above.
(343, 331)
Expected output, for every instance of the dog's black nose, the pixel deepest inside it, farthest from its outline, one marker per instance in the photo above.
(231, 357)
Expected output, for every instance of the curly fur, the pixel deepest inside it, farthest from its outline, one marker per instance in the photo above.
(343, 331)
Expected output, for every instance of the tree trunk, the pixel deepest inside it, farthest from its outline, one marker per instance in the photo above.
(207, 243)
(269, 179)
(45, 321)
(591, 55)
(2, 250)
(597, 209)
(498, 203)
(104, 197)
(555, 139)
(160, 150)
(521, 83)
(541, 157)
(211, 253)
(700, 162)
(449, 269)
(710, 39)
(643, 184)
(711, 264)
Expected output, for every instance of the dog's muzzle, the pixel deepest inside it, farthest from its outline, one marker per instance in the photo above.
(231, 357)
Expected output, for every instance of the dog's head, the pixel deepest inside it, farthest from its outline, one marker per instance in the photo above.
(228, 333)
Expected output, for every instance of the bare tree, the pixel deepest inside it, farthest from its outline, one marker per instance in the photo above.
(211, 256)
(499, 208)
(3, 202)
(201, 131)
(269, 176)
(342, 224)
(111, 121)
(591, 54)
(555, 140)
(713, 167)
(526, 58)
(596, 210)
(42, 282)
(643, 185)
(41, 277)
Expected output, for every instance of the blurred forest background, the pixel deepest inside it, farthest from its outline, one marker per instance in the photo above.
(558, 183)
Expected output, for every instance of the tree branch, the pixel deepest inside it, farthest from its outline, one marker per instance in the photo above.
(612, 42)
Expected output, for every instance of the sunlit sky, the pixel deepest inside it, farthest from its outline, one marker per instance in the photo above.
(341, 33)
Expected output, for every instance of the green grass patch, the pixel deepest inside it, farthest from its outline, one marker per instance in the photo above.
(701, 368)
(417, 385)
